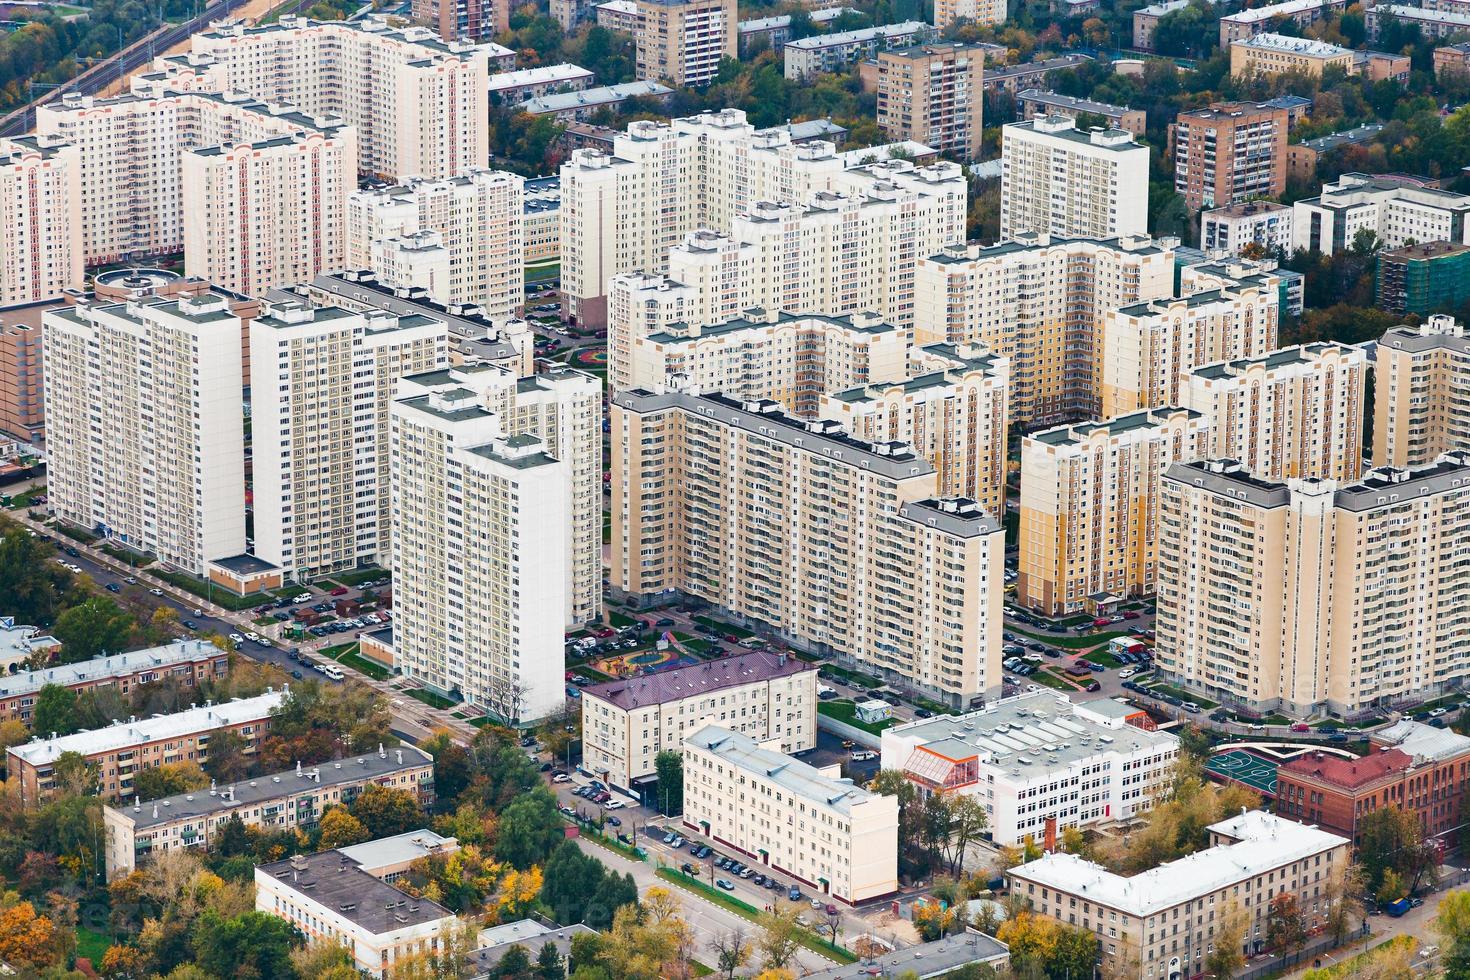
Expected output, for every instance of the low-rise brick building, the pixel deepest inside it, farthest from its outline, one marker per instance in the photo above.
(190, 662)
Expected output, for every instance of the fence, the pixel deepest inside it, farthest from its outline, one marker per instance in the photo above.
(1278, 965)
(842, 729)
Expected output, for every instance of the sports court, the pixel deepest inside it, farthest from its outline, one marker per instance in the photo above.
(1239, 766)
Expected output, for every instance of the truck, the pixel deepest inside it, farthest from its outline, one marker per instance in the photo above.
(1398, 908)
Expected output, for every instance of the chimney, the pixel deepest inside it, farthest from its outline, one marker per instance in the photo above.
(399, 753)
(381, 753)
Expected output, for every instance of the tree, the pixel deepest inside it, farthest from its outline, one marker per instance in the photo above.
(967, 822)
(518, 893)
(1286, 926)
(1075, 954)
(669, 765)
(1032, 939)
(341, 829)
(122, 963)
(549, 964)
(1392, 839)
(28, 939)
(451, 765)
(31, 585)
(92, 629)
(1391, 887)
(1227, 957)
(569, 880)
(614, 893)
(55, 711)
(385, 811)
(778, 938)
(251, 944)
(74, 775)
(515, 964)
(732, 949)
(168, 780)
(1344, 900)
(530, 828)
(227, 761)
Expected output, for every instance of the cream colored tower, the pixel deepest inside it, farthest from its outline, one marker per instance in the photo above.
(1421, 393)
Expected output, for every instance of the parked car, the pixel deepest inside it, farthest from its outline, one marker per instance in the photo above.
(923, 713)
(340, 590)
(726, 884)
(1126, 673)
(794, 894)
(1301, 726)
(303, 597)
(689, 869)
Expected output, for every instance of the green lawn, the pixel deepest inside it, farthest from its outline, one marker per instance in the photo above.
(75, 533)
(540, 273)
(431, 699)
(1068, 641)
(353, 579)
(347, 654)
(723, 628)
(619, 620)
(91, 945)
(219, 596)
(851, 677)
(1184, 695)
(747, 911)
(1048, 679)
(845, 711)
(23, 499)
(125, 556)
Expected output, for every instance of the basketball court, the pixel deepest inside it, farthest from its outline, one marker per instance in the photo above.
(1238, 766)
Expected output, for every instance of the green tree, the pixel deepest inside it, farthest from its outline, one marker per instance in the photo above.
(570, 878)
(74, 775)
(251, 944)
(613, 892)
(91, 629)
(340, 829)
(168, 780)
(530, 828)
(1286, 926)
(227, 760)
(451, 766)
(55, 711)
(1074, 955)
(669, 765)
(549, 964)
(1392, 839)
(385, 812)
(31, 585)
(515, 964)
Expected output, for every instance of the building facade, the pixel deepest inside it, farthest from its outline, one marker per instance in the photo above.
(145, 438)
(683, 41)
(1035, 102)
(1296, 413)
(1090, 505)
(1275, 54)
(844, 548)
(981, 13)
(807, 823)
(473, 20)
(835, 51)
(1057, 180)
(41, 251)
(1340, 597)
(187, 662)
(1225, 231)
(1398, 211)
(933, 94)
(1246, 24)
(1226, 154)
(1419, 279)
(1421, 396)
(22, 385)
(626, 723)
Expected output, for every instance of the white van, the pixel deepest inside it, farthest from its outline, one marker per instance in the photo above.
(331, 670)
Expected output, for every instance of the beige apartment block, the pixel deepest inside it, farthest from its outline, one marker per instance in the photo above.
(981, 13)
(683, 41)
(145, 438)
(1150, 349)
(1293, 413)
(1058, 180)
(1246, 24)
(473, 20)
(269, 213)
(700, 173)
(122, 749)
(478, 216)
(933, 94)
(41, 252)
(952, 411)
(793, 359)
(1421, 393)
(420, 105)
(772, 697)
(838, 545)
(811, 824)
(1164, 922)
(1314, 595)
(1090, 505)
(1273, 54)
(1039, 302)
(323, 382)
(132, 149)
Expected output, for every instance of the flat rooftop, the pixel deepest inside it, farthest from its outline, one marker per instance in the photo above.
(742, 752)
(159, 658)
(1423, 741)
(696, 679)
(374, 855)
(336, 881)
(925, 960)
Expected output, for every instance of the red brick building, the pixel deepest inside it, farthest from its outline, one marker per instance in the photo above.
(1416, 767)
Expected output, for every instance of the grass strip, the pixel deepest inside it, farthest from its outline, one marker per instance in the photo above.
(430, 698)
(846, 712)
(747, 911)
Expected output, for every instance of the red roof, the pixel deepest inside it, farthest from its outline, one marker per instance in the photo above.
(1348, 773)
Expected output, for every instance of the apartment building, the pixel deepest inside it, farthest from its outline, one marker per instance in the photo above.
(541, 219)
(22, 389)
(836, 50)
(281, 801)
(1058, 180)
(1295, 413)
(619, 15)
(1417, 768)
(1014, 78)
(981, 13)
(1452, 59)
(1274, 54)
(1163, 922)
(419, 104)
(514, 87)
(702, 173)
(1421, 393)
(1038, 762)
(1314, 595)
(333, 898)
(145, 440)
(1034, 102)
(792, 359)
(842, 545)
(771, 697)
(456, 20)
(188, 662)
(41, 252)
(238, 245)
(1418, 279)
(808, 823)
(323, 382)
(1225, 231)
(933, 94)
(124, 747)
(478, 216)
(1229, 153)
(683, 41)
(1151, 348)
(1039, 302)
(1397, 210)
(1090, 505)
(952, 411)
(1146, 22)
(418, 261)
(1432, 23)
(1246, 24)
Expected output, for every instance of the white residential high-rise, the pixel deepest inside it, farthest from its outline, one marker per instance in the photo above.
(414, 262)
(40, 220)
(480, 525)
(268, 213)
(144, 434)
(622, 212)
(1396, 210)
(1039, 302)
(322, 380)
(1058, 180)
(420, 105)
(1421, 393)
(477, 216)
(132, 149)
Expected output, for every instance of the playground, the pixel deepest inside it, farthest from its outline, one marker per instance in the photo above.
(644, 662)
(1238, 766)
